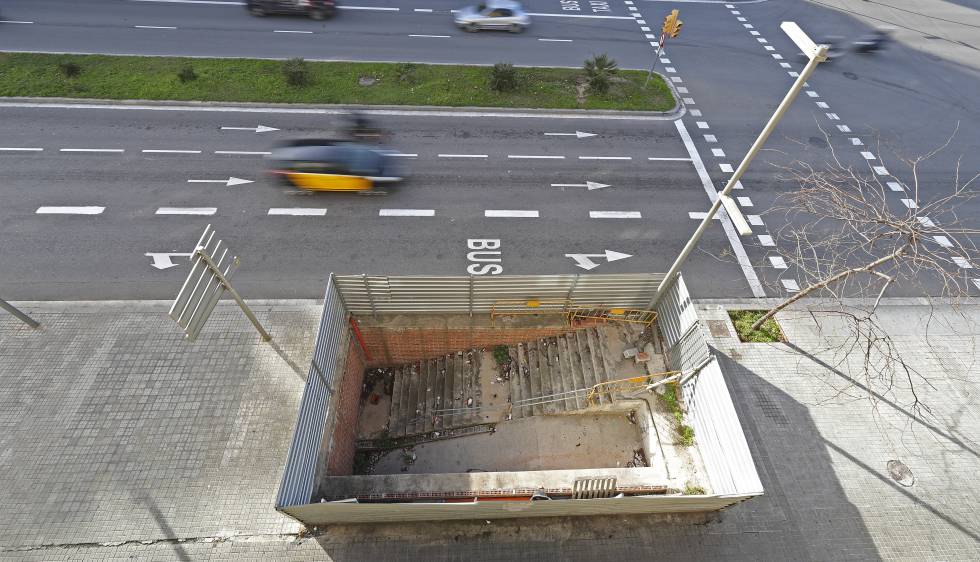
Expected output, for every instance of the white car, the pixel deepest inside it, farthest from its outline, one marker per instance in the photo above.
(493, 14)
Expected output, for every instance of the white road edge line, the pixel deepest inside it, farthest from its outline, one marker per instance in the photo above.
(406, 212)
(92, 210)
(726, 223)
(510, 214)
(186, 211)
(298, 211)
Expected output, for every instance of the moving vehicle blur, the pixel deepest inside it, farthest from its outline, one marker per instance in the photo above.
(493, 14)
(333, 165)
(315, 9)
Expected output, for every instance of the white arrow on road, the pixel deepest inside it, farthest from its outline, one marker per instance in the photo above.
(583, 261)
(259, 129)
(589, 184)
(229, 182)
(164, 260)
(577, 134)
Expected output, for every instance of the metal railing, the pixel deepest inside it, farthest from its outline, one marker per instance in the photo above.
(379, 294)
(631, 315)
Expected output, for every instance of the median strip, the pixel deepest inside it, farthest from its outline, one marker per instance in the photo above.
(308, 82)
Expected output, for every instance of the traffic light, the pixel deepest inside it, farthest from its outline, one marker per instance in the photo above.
(672, 25)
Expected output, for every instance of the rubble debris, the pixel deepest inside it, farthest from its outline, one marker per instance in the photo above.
(631, 352)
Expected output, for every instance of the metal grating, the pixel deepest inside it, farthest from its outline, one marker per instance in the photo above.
(588, 488)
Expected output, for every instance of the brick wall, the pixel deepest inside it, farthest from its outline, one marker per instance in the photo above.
(348, 403)
(393, 346)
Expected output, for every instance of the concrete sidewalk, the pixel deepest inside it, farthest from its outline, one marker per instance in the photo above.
(120, 440)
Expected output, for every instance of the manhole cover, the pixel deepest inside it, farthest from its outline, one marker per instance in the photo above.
(900, 473)
(719, 329)
(850, 75)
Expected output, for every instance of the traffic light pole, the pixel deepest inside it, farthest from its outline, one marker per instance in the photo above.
(660, 48)
(817, 55)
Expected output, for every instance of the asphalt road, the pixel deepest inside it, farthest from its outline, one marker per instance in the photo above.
(463, 170)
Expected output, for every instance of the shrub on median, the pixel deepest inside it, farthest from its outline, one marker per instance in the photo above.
(503, 77)
(296, 72)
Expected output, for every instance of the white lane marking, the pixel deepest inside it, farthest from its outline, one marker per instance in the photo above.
(741, 19)
(15, 21)
(738, 185)
(943, 241)
(778, 262)
(702, 124)
(605, 157)
(510, 214)
(534, 157)
(910, 203)
(589, 185)
(755, 220)
(298, 211)
(737, 248)
(667, 159)
(880, 170)
(403, 155)
(222, 2)
(242, 152)
(682, 90)
(644, 28)
(856, 141)
(21, 149)
(407, 212)
(926, 222)
(695, 112)
(230, 181)
(769, 47)
(812, 94)
(615, 215)
(426, 10)
(868, 155)
(790, 285)
(556, 40)
(761, 39)
(256, 129)
(688, 101)
(154, 27)
(727, 168)
(369, 8)
(833, 116)
(843, 128)
(895, 186)
(671, 70)
(113, 150)
(745, 201)
(755, 33)
(700, 215)
(650, 36)
(540, 15)
(822, 105)
(92, 210)
(736, 13)
(676, 79)
(710, 138)
(748, 26)
(583, 261)
(777, 56)
(290, 31)
(641, 22)
(977, 283)
(962, 262)
(463, 156)
(576, 134)
(169, 151)
(766, 240)
(791, 73)
(665, 60)
(339, 111)
(431, 36)
(186, 211)
(718, 152)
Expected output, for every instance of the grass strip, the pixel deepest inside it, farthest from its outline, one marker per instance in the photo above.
(767, 333)
(250, 80)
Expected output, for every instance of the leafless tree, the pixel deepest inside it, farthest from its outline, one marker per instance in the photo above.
(847, 236)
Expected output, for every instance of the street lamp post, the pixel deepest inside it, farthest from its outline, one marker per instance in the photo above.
(817, 54)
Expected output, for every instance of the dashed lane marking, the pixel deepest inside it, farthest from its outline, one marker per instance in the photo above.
(403, 155)
(15, 21)
(745, 201)
(910, 203)
(778, 262)
(169, 151)
(291, 31)
(464, 156)
(766, 240)
(868, 155)
(615, 215)
(21, 149)
(496, 213)
(755, 220)
(534, 157)
(701, 215)
(90, 210)
(430, 36)
(186, 211)
(668, 159)
(407, 212)
(790, 285)
(725, 167)
(605, 157)
(154, 27)
(242, 152)
(894, 186)
(298, 211)
(962, 262)
(556, 40)
(112, 150)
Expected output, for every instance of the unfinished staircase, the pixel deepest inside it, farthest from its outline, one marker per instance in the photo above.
(546, 376)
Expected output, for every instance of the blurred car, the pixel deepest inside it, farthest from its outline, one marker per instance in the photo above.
(316, 9)
(333, 165)
(493, 14)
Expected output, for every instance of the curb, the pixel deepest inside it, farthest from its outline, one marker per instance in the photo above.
(157, 306)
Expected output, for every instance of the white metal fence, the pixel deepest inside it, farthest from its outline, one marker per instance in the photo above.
(374, 294)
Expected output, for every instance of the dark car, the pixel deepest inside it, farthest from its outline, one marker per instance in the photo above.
(333, 165)
(316, 9)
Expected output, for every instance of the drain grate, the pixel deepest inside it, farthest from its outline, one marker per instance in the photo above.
(770, 409)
